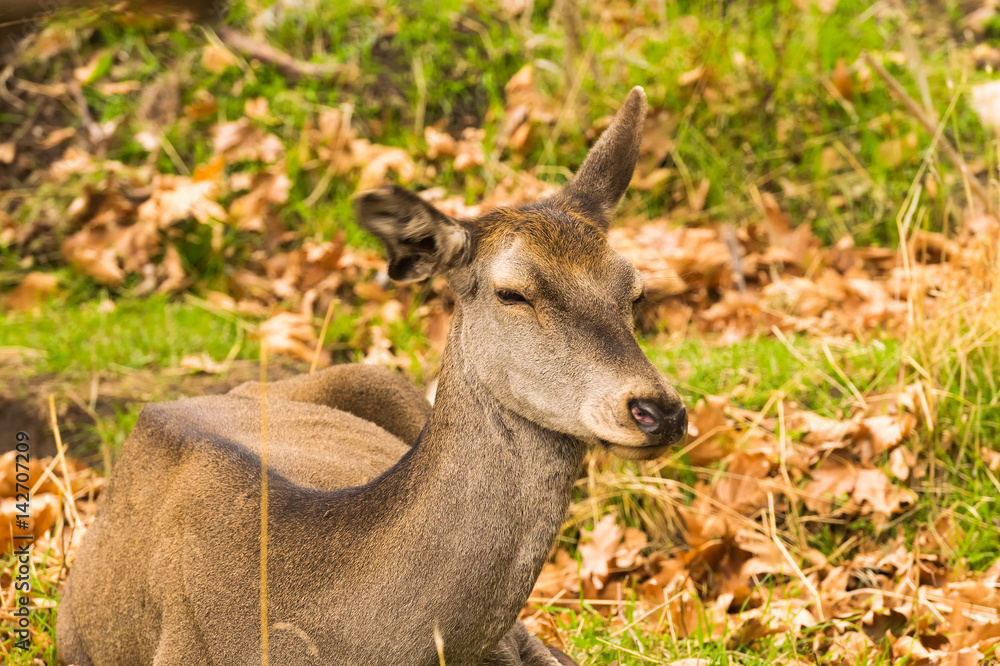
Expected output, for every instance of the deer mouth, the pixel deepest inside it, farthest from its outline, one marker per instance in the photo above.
(641, 452)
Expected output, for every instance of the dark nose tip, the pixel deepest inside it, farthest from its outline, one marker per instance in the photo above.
(654, 419)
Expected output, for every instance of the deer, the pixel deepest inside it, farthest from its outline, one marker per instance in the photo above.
(398, 534)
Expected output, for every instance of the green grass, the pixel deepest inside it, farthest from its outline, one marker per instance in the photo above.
(149, 334)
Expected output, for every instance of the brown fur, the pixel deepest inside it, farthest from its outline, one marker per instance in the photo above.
(369, 392)
(373, 545)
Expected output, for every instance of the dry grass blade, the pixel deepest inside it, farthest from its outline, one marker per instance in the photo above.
(61, 458)
(322, 336)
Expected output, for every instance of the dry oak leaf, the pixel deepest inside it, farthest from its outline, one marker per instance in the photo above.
(438, 143)
(203, 362)
(8, 475)
(240, 140)
(524, 107)
(469, 151)
(57, 137)
(832, 479)
(256, 108)
(991, 458)
(909, 649)
(217, 59)
(204, 105)
(119, 87)
(986, 102)
(796, 246)
(874, 490)
(175, 271)
(72, 162)
(709, 431)
(597, 551)
(378, 160)
(380, 351)
(176, 198)
(742, 488)
(34, 288)
(292, 334)
(267, 189)
(702, 526)
(7, 152)
(900, 462)
(886, 431)
(137, 244)
(91, 251)
(842, 80)
(42, 513)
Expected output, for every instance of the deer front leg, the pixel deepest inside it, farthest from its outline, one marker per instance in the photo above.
(519, 648)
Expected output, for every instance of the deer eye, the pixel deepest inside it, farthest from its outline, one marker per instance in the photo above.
(511, 297)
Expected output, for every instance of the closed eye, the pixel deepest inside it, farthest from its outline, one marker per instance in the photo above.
(511, 297)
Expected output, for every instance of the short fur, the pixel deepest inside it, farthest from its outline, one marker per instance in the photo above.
(374, 546)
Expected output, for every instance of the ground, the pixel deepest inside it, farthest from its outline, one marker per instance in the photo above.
(814, 212)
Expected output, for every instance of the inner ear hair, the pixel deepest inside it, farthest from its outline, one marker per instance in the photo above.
(419, 240)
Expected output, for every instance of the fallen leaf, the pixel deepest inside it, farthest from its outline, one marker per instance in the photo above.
(118, 87)
(377, 161)
(204, 105)
(34, 289)
(900, 462)
(469, 151)
(597, 550)
(175, 271)
(203, 362)
(91, 252)
(842, 80)
(991, 458)
(292, 334)
(691, 76)
(242, 141)
(98, 64)
(986, 103)
(883, 498)
(57, 137)
(42, 513)
(217, 59)
(438, 143)
(268, 189)
(888, 431)
(256, 108)
(831, 480)
(177, 198)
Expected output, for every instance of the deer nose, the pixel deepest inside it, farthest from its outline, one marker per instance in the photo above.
(655, 419)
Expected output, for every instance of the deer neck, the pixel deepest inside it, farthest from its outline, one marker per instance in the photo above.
(478, 502)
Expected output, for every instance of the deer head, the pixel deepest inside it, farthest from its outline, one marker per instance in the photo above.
(546, 305)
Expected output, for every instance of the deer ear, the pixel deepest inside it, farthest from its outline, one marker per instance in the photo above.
(607, 171)
(419, 240)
